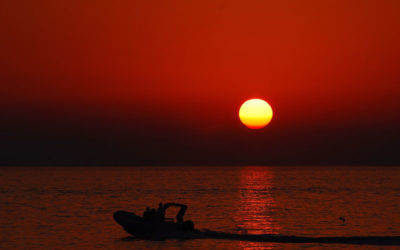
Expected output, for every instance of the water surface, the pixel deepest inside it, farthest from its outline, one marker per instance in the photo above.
(71, 207)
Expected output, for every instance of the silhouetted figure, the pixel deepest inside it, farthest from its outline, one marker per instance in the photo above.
(161, 212)
(152, 214)
(146, 214)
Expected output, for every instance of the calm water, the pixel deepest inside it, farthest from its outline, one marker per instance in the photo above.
(54, 207)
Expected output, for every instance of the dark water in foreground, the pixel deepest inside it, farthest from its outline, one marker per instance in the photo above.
(64, 207)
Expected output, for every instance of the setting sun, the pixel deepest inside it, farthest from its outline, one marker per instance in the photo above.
(255, 113)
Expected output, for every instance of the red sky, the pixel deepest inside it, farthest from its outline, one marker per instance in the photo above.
(186, 66)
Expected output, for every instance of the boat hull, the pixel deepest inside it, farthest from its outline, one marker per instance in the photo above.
(136, 226)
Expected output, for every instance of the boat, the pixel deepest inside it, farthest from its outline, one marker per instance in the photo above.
(152, 229)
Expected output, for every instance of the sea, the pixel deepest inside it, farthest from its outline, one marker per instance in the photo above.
(72, 207)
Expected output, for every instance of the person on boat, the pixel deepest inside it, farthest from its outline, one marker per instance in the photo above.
(146, 214)
(153, 213)
(160, 212)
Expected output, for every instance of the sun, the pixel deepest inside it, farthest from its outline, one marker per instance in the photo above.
(255, 113)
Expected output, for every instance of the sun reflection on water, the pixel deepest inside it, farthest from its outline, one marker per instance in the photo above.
(256, 205)
(256, 202)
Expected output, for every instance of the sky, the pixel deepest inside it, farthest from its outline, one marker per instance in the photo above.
(161, 82)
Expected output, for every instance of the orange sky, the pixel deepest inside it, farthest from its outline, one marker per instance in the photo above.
(190, 64)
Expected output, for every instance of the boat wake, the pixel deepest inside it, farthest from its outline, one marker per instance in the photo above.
(207, 234)
(360, 240)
